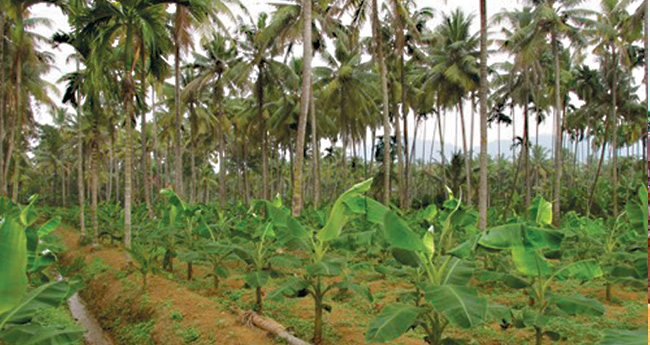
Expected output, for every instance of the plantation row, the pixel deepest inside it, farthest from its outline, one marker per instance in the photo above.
(437, 250)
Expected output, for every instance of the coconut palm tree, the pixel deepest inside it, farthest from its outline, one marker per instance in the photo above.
(553, 21)
(454, 69)
(210, 80)
(131, 22)
(23, 53)
(348, 82)
(258, 49)
(362, 9)
(482, 96)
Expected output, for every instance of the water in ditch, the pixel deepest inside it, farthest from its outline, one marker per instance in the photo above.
(95, 334)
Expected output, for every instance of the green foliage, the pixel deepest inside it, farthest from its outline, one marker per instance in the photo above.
(189, 334)
(19, 321)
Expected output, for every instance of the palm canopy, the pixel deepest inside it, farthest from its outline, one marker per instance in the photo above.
(350, 83)
(453, 58)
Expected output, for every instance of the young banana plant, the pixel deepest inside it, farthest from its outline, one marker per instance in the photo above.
(323, 262)
(440, 276)
(18, 308)
(525, 243)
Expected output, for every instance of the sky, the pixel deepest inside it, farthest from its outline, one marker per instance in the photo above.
(63, 66)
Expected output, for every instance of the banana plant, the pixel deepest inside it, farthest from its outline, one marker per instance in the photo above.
(187, 219)
(322, 262)
(441, 277)
(18, 307)
(145, 257)
(525, 242)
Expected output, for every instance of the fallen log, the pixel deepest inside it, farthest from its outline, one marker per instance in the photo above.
(251, 318)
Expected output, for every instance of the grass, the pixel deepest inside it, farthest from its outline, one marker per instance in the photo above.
(139, 333)
(56, 317)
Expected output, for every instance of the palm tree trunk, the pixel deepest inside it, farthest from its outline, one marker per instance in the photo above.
(514, 136)
(80, 169)
(223, 196)
(178, 153)
(399, 148)
(344, 161)
(482, 100)
(19, 107)
(403, 169)
(471, 127)
(384, 93)
(245, 171)
(614, 121)
(558, 132)
(3, 183)
(265, 144)
(95, 183)
(645, 65)
(116, 170)
(128, 86)
(373, 135)
(128, 168)
(600, 164)
(143, 137)
(468, 177)
(192, 171)
(63, 189)
(442, 152)
(526, 149)
(154, 137)
(315, 147)
(412, 150)
(192, 184)
(433, 140)
(296, 205)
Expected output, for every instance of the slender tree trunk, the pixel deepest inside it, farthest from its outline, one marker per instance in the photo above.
(433, 140)
(143, 138)
(129, 88)
(265, 144)
(19, 108)
(116, 169)
(178, 153)
(10, 147)
(344, 161)
(80, 169)
(296, 205)
(192, 171)
(399, 148)
(442, 153)
(245, 171)
(558, 133)
(128, 168)
(514, 136)
(154, 137)
(192, 184)
(95, 183)
(526, 149)
(471, 130)
(223, 193)
(373, 135)
(415, 137)
(482, 99)
(614, 124)
(315, 147)
(645, 47)
(3, 182)
(63, 189)
(365, 155)
(403, 170)
(468, 176)
(384, 92)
